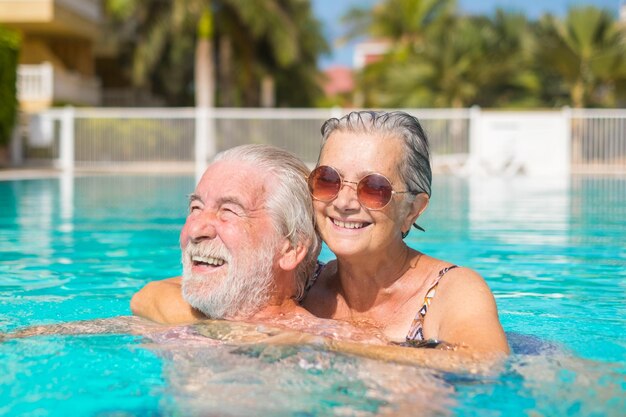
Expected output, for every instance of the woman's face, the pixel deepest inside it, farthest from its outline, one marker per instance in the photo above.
(345, 225)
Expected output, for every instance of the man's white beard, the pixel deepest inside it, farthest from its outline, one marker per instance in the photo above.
(241, 293)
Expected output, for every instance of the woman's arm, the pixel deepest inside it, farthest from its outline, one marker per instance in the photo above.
(464, 313)
(163, 302)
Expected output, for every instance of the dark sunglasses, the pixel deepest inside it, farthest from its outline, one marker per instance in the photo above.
(374, 191)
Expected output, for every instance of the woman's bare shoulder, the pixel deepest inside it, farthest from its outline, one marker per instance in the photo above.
(464, 282)
(452, 277)
(464, 311)
(320, 300)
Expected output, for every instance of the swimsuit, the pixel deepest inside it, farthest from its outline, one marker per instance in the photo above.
(415, 336)
(318, 271)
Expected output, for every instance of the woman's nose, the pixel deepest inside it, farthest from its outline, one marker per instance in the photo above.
(347, 199)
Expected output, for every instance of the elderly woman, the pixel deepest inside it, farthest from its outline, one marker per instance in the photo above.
(371, 183)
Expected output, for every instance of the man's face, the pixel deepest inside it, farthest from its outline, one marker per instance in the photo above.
(229, 243)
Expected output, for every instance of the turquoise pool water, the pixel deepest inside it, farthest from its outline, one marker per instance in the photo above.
(554, 253)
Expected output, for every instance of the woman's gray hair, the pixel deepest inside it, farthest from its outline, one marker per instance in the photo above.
(288, 201)
(415, 168)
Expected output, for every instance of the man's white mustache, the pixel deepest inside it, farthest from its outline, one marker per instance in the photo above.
(239, 290)
(210, 251)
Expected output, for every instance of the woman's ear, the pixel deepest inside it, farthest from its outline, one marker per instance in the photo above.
(418, 205)
(290, 257)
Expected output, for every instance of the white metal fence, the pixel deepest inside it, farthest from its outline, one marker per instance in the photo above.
(187, 137)
(598, 141)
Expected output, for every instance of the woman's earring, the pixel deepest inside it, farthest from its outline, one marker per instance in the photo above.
(405, 234)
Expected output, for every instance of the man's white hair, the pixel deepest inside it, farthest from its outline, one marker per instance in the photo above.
(288, 201)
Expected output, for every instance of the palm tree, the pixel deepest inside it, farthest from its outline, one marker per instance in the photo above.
(587, 52)
(509, 77)
(404, 22)
(446, 72)
(461, 61)
(204, 66)
(263, 34)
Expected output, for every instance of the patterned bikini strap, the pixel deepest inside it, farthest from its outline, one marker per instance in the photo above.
(318, 271)
(433, 288)
(416, 332)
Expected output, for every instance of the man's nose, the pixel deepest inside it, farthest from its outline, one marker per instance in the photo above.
(202, 226)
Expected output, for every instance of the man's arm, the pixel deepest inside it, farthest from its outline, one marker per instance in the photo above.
(162, 301)
(454, 360)
(111, 325)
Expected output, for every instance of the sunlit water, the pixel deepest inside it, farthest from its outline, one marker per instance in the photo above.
(554, 253)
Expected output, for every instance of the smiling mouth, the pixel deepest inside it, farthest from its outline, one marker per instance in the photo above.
(349, 225)
(207, 261)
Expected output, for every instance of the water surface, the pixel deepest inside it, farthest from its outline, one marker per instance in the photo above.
(553, 252)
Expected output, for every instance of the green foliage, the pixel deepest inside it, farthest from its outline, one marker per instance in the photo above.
(119, 9)
(438, 58)
(252, 40)
(205, 25)
(404, 21)
(586, 52)
(9, 50)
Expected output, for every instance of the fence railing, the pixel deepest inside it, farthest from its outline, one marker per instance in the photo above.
(598, 141)
(187, 137)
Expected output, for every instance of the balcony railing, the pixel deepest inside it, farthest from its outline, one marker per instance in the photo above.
(34, 82)
(42, 10)
(44, 83)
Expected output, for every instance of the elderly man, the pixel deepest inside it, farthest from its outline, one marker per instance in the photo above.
(248, 248)
(248, 244)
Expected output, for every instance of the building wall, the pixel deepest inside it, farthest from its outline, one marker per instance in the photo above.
(60, 33)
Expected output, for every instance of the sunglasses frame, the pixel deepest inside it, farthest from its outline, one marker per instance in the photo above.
(342, 181)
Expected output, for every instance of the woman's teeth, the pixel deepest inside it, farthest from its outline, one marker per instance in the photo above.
(348, 225)
(207, 260)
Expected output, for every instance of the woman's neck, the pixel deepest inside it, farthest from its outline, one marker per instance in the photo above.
(368, 280)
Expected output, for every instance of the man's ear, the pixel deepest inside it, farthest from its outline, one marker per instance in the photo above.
(291, 257)
(418, 206)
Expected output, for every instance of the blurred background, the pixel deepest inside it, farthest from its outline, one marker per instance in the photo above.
(412, 54)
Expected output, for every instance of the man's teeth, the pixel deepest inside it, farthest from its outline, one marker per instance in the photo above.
(208, 260)
(348, 225)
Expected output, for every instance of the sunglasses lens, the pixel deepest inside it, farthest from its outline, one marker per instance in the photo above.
(324, 183)
(374, 191)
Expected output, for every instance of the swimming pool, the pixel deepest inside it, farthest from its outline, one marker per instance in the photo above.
(554, 253)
